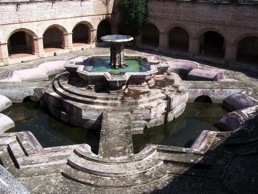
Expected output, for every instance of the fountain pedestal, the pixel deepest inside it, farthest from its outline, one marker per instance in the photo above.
(117, 49)
(117, 55)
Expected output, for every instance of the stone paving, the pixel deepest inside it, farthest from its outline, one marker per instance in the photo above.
(225, 163)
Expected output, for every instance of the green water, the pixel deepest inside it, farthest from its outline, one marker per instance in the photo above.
(51, 132)
(47, 129)
(101, 64)
(184, 130)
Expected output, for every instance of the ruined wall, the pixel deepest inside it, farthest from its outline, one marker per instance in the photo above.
(38, 16)
(230, 20)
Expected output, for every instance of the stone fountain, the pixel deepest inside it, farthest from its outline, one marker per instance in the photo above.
(150, 97)
(117, 49)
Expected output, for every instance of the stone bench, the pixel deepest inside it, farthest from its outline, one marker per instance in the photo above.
(205, 74)
(238, 101)
(239, 121)
(182, 67)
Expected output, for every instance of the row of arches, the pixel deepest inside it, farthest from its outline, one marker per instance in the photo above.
(211, 43)
(22, 41)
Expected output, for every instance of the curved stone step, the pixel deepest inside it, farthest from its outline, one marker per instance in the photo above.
(153, 98)
(148, 151)
(82, 99)
(153, 175)
(115, 169)
(89, 94)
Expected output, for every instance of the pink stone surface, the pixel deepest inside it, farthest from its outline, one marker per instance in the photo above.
(29, 74)
(182, 64)
(52, 67)
(239, 101)
(38, 73)
(208, 74)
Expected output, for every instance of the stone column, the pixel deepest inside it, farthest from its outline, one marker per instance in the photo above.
(117, 55)
(194, 45)
(4, 54)
(163, 41)
(37, 47)
(92, 36)
(231, 52)
(68, 41)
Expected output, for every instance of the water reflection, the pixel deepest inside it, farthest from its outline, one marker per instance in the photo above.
(48, 130)
(184, 130)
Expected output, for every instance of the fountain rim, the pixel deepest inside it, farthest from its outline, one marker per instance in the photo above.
(117, 38)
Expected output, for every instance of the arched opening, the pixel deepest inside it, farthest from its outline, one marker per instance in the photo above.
(248, 50)
(203, 98)
(20, 43)
(104, 28)
(150, 35)
(80, 34)
(52, 38)
(212, 45)
(178, 39)
(30, 99)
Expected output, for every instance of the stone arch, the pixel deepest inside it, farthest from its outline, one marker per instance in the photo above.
(104, 28)
(203, 98)
(150, 35)
(178, 39)
(20, 41)
(247, 49)
(212, 44)
(81, 32)
(53, 37)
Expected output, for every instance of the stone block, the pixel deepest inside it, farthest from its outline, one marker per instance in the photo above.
(182, 67)
(8, 184)
(238, 101)
(29, 75)
(4, 103)
(239, 121)
(5, 123)
(205, 74)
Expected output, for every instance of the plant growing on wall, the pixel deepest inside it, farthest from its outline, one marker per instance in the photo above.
(133, 14)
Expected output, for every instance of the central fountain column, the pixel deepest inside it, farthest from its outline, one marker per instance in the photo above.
(117, 55)
(117, 42)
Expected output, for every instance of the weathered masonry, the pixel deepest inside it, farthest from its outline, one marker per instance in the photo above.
(215, 31)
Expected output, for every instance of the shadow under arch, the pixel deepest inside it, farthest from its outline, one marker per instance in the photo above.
(104, 28)
(53, 36)
(203, 98)
(247, 51)
(212, 44)
(150, 35)
(20, 41)
(178, 39)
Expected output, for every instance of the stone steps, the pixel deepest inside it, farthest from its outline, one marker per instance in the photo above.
(119, 181)
(93, 170)
(83, 99)
(171, 154)
(99, 103)
(115, 169)
(89, 94)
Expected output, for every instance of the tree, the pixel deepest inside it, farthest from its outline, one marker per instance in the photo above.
(133, 15)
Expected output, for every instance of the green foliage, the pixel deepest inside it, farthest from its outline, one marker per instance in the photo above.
(133, 14)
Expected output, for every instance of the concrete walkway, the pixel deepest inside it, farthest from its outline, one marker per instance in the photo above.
(115, 135)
